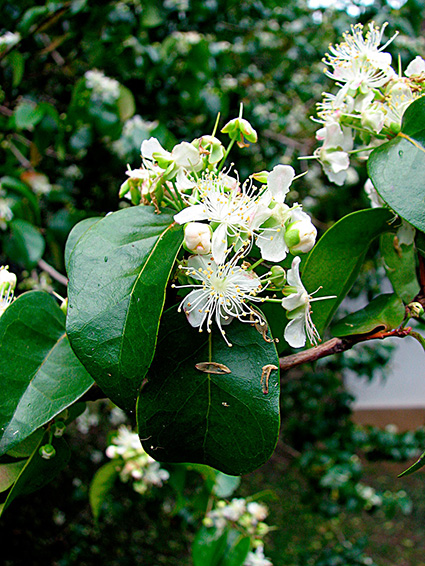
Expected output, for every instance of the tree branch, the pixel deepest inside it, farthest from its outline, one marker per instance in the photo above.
(336, 346)
(52, 272)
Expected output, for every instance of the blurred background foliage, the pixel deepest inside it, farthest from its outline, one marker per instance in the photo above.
(83, 84)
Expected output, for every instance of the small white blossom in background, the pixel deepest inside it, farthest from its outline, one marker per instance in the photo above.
(134, 463)
(257, 558)
(9, 39)
(104, 89)
(135, 129)
(6, 213)
(245, 516)
(87, 420)
(7, 287)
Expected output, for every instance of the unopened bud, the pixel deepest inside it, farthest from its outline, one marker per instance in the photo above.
(415, 309)
(300, 236)
(197, 238)
(261, 176)
(47, 451)
(58, 429)
(278, 277)
(240, 129)
(64, 306)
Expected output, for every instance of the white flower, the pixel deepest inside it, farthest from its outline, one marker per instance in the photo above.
(234, 510)
(6, 213)
(333, 153)
(415, 67)
(299, 311)
(232, 212)
(7, 286)
(301, 233)
(257, 510)
(9, 39)
(183, 158)
(103, 88)
(359, 61)
(221, 295)
(125, 443)
(197, 238)
(257, 558)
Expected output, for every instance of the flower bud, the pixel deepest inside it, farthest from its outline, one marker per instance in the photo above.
(47, 451)
(58, 429)
(278, 276)
(64, 306)
(197, 238)
(415, 309)
(300, 236)
(240, 129)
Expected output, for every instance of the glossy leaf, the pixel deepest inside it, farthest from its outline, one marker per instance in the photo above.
(397, 168)
(335, 261)
(76, 233)
(223, 420)
(25, 244)
(100, 486)
(399, 262)
(39, 373)
(209, 546)
(118, 272)
(9, 473)
(384, 312)
(237, 549)
(37, 472)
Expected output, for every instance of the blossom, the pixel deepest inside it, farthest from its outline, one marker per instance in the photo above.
(299, 311)
(359, 61)
(7, 286)
(104, 89)
(257, 558)
(125, 444)
(184, 157)
(6, 213)
(230, 211)
(221, 294)
(334, 152)
(300, 235)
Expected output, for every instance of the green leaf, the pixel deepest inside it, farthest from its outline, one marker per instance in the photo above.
(384, 312)
(224, 420)
(9, 473)
(225, 485)
(335, 261)
(37, 472)
(39, 373)
(397, 168)
(27, 115)
(118, 272)
(126, 104)
(76, 233)
(16, 61)
(100, 486)
(399, 262)
(25, 448)
(209, 546)
(13, 185)
(416, 466)
(24, 244)
(237, 549)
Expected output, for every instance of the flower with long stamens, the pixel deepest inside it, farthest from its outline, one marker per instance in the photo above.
(222, 293)
(230, 212)
(298, 306)
(7, 286)
(358, 61)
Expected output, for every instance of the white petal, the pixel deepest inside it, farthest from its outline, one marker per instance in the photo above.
(191, 214)
(151, 146)
(272, 245)
(292, 302)
(195, 315)
(185, 155)
(219, 244)
(295, 332)
(293, 275)
(279, 181)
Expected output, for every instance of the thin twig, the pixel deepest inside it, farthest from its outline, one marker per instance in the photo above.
(52, 272)
(336, 346)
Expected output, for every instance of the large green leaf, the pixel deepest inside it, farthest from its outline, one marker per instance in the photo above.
(76, 233)
(118, 272)
(39, 373)
(384, 312)
(335, 261)
(399, 262)
(37, 472)
(397, 168)
(190, 414)
(101, 485)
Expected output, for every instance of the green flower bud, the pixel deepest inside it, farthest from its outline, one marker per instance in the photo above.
(415, 309)
(47, 451)
(240, 129)
(300, 236)
(261, 176)
(58, 429)
(64, 306)
(278, 277)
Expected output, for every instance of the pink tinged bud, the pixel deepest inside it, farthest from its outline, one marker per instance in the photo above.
(197, 238)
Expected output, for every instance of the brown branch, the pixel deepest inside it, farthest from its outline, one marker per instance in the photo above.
(52, 272)
(337, 346)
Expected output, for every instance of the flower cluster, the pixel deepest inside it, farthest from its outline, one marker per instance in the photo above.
(370, 102)
(247, 518)
(7, 287)
(230, 228)
(104, 89)
(133, 462)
